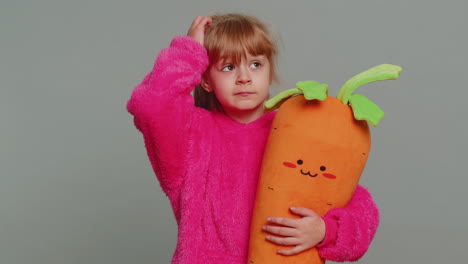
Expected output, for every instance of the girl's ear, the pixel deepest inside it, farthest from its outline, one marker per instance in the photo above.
(205, 85)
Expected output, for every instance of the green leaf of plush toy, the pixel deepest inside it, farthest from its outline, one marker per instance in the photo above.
(275, 102)
(313, 90)
(365, 109)
(377, 73)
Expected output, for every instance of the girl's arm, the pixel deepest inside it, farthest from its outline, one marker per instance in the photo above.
(350, 229)
(163, 108)
(346, 233)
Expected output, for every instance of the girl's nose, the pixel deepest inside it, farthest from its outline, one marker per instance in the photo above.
(244, 76)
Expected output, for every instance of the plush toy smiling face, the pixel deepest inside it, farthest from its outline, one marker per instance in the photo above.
(324, 158)
(300, 162)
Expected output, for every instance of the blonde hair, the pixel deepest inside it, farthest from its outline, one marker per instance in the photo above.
(233, 36)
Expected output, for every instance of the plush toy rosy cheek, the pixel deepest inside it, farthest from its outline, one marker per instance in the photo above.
(316, 151)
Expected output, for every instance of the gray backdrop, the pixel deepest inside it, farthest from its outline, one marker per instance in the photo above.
(76, 185)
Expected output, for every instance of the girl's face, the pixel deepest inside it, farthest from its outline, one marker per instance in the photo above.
(242, 87)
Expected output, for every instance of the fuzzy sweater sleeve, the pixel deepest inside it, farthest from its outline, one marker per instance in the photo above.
(350, 229)
(163, 107)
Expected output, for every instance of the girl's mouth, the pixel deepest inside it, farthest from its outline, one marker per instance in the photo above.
(244, 93)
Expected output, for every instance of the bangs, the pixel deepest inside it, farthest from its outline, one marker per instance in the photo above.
(233, 39)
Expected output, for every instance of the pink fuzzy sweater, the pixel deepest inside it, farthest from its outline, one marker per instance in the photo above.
(208, 165)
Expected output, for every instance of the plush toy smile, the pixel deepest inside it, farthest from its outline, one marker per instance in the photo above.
(308, 173)
(300, 162)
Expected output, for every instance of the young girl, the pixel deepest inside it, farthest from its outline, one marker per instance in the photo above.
(207, 157)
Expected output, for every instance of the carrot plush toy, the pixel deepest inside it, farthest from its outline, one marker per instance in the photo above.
(316, 151)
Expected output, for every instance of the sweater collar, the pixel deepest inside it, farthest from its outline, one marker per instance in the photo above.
(225, 121)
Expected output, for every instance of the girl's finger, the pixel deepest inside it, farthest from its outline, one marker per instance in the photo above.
(208, 20)
(302, 211)
(196, 21)
(283, 241)
(284, 221)
(281, 231)
(203, 23)
(197, 29)
(293, 251)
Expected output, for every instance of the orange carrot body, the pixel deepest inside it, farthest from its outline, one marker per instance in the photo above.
(314, 158)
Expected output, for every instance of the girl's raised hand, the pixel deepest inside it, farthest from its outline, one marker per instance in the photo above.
(197, 29)
(303, 233)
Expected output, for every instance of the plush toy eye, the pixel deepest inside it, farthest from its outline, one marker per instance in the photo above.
(300, 162)
(323, 168)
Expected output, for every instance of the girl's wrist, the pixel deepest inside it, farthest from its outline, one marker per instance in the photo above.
(187, 43)
(331, 227)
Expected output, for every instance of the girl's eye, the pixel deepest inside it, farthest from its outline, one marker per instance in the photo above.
(227, 68)
(255, 65)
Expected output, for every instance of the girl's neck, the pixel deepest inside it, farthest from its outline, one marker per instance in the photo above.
(244, 117)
